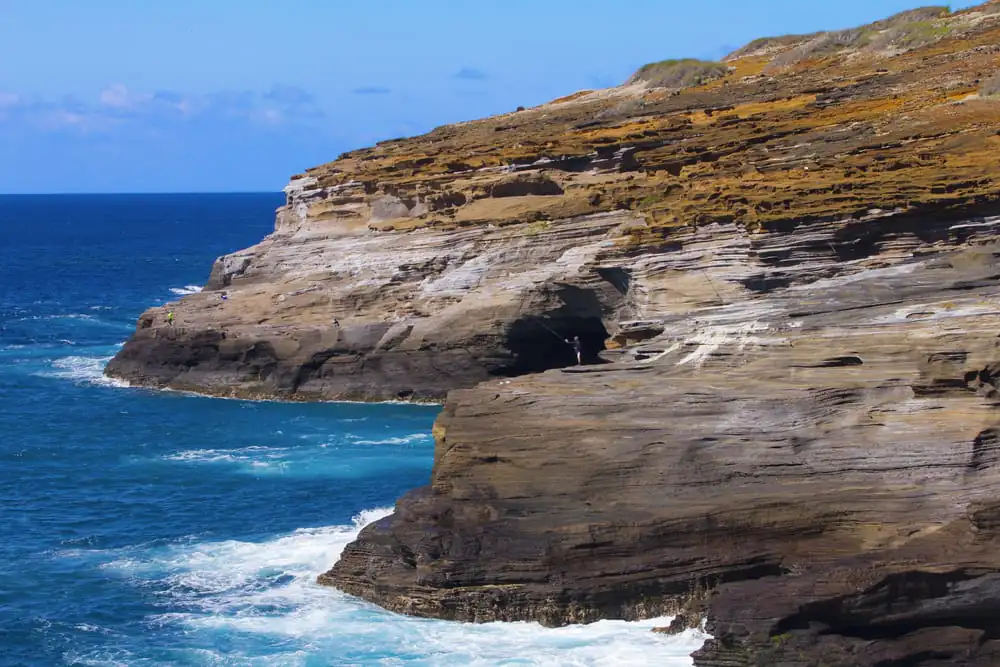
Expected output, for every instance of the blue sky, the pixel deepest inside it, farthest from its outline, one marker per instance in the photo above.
(237, 95)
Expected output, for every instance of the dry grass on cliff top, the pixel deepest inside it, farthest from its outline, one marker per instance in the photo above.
(846, 128)
(679, 74)
(907, 30)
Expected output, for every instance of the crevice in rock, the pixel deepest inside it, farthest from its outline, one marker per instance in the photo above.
(311, 368)
(763, 283)
(915, 660)
(836, 362)
(930, 599)
(524, 185)
(618, 277)
(984, 450)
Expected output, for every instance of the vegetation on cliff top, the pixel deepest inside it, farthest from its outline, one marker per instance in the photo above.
(683, 73)
(842, 132)
(906, 30)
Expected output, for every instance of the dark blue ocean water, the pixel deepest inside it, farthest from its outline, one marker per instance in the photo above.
(155, 528)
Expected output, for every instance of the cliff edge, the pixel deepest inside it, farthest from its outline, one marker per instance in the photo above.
(784, 272)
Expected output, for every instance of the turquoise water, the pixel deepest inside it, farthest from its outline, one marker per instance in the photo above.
(155, 528)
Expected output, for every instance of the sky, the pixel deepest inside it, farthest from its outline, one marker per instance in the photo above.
(238, 95)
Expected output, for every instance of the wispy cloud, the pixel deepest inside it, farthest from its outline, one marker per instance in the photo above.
(471, 74)
(292, 102)
(371, 90)
(118, 96)
(117, 105)
(290, 96)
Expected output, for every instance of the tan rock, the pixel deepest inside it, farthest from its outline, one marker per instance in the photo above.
(793, 270)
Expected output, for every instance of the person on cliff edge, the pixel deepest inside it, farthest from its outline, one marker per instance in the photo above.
(578, 348)
(170, 317)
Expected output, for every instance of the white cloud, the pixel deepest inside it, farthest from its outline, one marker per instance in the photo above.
(117, 106)
(118, 96)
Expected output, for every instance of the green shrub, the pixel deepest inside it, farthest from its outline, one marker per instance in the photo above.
(907, 30)
(683, 73)
(911, 35)
(919, 15)
(767, 43)
(824, 44)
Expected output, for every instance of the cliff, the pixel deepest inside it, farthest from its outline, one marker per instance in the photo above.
(784, 273)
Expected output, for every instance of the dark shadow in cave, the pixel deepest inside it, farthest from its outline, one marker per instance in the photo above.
(539, 343)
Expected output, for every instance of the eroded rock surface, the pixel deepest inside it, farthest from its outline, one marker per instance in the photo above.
(440, 257)
(831, 440)
(793, 429)
(320, 311)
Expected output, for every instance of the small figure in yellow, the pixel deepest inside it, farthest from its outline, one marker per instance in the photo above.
(170, 317)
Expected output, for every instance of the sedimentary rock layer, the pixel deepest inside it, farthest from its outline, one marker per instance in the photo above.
(318, 312)
(441, 257)
(786, 284)
(828, 438)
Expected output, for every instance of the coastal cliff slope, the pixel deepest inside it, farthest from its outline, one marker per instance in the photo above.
(784, 272)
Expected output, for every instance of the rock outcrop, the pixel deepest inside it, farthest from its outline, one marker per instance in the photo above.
(786, 284)
(466, 253)
(320, 312)
(828, 438)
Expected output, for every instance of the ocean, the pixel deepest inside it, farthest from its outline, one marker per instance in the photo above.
(147, 528)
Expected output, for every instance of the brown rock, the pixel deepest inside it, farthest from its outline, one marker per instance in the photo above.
(784, 450)
(794, 428)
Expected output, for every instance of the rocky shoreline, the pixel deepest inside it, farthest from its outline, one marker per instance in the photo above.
(786, 282)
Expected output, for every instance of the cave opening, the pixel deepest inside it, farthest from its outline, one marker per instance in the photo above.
(539, 343)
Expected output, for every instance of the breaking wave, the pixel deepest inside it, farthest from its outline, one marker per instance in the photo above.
(400, 440)
(186, 290)
(252, 454)
(82, 370)
(266, 594)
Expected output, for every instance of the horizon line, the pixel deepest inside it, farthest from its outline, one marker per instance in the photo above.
(157, 192)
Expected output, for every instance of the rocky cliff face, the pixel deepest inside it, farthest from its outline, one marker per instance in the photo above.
(785, 279)
(832, 438)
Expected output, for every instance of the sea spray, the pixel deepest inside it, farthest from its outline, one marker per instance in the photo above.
(268, 590)
(146, 528)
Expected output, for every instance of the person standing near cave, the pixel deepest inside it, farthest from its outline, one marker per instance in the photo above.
(577, 346)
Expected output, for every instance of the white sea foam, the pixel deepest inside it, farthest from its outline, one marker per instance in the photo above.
(243, 454)
(267, 590)
(89, 319)
(83, 370)
(63, 316)
(186, 290)
(105, 658)
(401, 440)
